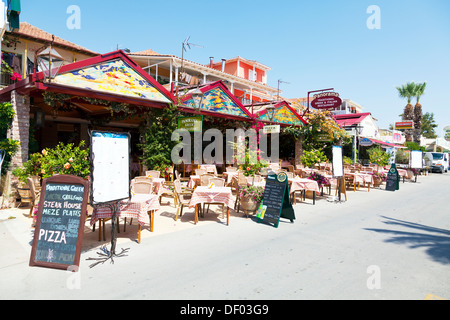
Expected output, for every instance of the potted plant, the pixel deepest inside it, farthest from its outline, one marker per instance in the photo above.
(378, 178)
(321, 180)
(250, 197)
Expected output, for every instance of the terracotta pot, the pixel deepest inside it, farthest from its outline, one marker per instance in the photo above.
(248, 204)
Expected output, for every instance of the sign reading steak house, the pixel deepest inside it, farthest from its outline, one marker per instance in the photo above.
(326, 100)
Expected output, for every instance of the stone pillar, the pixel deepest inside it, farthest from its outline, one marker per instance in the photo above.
(20, 129)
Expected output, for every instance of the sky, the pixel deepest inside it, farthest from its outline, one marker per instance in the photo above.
(311, 45)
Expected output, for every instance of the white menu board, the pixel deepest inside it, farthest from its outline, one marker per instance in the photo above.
(338, 167)
(110, 156)
(416, 161)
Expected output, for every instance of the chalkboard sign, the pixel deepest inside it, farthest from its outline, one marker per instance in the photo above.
(60, 222)
(276, 202)
(393, 179)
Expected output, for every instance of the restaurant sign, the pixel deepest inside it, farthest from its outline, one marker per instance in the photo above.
(191, 124)
(271, 129)
(326, 100)
(404, 125)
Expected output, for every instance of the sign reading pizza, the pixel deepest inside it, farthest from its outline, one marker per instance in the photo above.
(326, 100)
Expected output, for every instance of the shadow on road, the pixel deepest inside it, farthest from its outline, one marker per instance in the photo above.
(436, 241)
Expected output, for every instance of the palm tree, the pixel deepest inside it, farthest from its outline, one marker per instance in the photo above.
(408, 91)
(418, 92)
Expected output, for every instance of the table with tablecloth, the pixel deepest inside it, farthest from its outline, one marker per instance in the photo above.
(297, 184)
(204, 194)
(230, 175)
(194, 181)
(360, 177)
(140, 206)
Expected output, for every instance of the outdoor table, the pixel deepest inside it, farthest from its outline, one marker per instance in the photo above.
(140, 206)
(194, 181)
(297, 184)
(230, 176)
(359, 177)
(210, 168)
(251, 182)
(204, 194)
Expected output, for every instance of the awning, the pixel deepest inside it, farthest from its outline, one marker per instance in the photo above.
(387, 144)
(349, 120)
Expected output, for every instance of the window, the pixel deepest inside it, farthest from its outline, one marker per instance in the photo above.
(437, 156)
(251, 75)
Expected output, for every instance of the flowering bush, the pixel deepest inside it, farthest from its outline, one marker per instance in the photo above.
(380, 175)
(321, 180)
(63, 159)
(378, 156)
(310, 158)
(256, 193)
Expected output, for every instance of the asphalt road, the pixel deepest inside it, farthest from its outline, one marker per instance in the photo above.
(378, 245)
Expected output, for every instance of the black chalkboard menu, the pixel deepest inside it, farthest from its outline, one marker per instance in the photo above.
(60, 222)
(393, 179)
(276, 202)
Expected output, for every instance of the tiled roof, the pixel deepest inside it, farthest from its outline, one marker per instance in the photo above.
(30, 31)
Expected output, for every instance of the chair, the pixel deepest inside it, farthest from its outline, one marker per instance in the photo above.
(200, 172)
(178, 177)
(290, 175)
(231, 169)
(34, 195)
(153, 173)
(183, 198)
(218, 182)
(204, 179)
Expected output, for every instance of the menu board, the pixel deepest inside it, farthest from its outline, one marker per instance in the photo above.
(110, 156)
(393, 179)
(416, 160)
(338, 166)
(276, 202)
(60, 222)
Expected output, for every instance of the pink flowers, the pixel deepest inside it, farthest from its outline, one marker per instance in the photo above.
(67, 165)
(16, 76)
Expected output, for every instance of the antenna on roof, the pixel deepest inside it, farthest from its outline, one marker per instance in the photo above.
(278, 92)
(185, 44)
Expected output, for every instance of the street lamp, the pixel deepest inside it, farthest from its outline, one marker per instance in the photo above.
(197, 97)
(50, 61)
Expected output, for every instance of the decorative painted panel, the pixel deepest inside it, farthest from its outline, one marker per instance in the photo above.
(217, 100)
(283, 115)
(115, 77)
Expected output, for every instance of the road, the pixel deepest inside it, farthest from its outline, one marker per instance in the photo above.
(378, 245)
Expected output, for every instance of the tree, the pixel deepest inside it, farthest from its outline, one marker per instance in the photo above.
(419, 91)
(407, 92)
(428, 126)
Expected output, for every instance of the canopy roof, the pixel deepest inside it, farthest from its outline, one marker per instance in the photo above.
(350, 119)
(283, 113)
(386, 143)
(217, 101)
(112, 76)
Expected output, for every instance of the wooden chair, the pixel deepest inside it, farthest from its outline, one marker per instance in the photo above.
(200, 172)
(218, 182)
(34, 195)
(153, 173)
(204, 179)
(183, 197)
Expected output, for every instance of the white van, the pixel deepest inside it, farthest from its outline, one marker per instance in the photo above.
(439, 161)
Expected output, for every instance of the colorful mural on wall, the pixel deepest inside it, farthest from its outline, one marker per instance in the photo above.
(217, 100)
(115, 77)
(282, 115)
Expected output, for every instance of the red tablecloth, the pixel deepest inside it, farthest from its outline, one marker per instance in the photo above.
(137, 207)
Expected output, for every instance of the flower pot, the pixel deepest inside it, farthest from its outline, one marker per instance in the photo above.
(248, 204)
(377, 181)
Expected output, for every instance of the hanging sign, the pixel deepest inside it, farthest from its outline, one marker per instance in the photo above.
(404, 125)
(276, 202)
(60, 222)
(365, 142)
(326, 100)
(191, 124)
(271, 129)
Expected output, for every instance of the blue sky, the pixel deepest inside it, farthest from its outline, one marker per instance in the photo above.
(310, 44)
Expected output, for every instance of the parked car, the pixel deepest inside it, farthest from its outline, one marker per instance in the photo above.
(439, 161)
